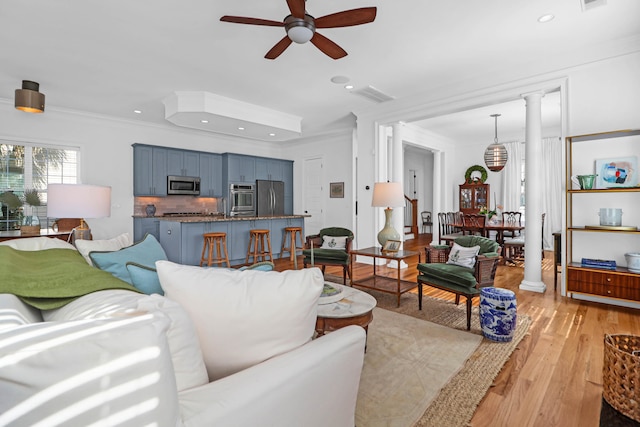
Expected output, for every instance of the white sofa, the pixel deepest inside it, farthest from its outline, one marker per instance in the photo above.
(116, 357)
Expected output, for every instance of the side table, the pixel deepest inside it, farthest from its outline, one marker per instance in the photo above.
(395, 286)
(355, 308)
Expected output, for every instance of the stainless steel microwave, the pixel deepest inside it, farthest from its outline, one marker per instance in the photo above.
(187, 185)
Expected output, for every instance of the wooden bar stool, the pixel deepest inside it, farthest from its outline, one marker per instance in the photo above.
(290, 234)
(257, 238)
(215, 242)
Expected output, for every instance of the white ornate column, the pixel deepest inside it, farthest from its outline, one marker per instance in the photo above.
(533, 190)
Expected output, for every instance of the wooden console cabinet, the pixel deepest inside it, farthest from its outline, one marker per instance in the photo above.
(619, 283)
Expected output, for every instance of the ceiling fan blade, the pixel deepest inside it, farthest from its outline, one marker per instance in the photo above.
(251, 21)
(296, 7)
(278, 48)
(328, 47)
(347, 18)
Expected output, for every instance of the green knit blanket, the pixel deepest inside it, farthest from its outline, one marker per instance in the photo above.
(51, 278)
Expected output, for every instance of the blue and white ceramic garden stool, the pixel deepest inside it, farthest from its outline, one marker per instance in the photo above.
(498, 313)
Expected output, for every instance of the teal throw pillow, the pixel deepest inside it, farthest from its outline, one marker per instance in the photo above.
(145, 253)
(144, 278)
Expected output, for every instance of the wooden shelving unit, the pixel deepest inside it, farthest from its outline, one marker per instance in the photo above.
(610, 285)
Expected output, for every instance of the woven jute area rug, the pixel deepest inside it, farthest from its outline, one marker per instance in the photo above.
(458, 399)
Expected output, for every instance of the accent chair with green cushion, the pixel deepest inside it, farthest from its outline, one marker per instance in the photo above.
(338, 255)
(462, 281)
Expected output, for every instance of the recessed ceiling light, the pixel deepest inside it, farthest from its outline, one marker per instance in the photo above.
(137, 111)
(339, 79)
(348, 87)
(240, 128)
(272, 134)
(546, 18)
(204, 121)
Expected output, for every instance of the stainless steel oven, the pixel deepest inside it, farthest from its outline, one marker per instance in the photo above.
(243, 200)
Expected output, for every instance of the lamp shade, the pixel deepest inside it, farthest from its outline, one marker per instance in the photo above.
(387, 194)
(28, 98)
(78, 201)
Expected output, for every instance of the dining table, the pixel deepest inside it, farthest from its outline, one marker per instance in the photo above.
(498, 226)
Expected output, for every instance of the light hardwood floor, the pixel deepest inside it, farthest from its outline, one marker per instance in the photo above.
(554, 377)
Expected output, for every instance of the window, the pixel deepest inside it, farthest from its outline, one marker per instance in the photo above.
(27, 166)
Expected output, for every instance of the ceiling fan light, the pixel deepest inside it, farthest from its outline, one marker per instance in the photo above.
(300, 34)
(28, 98)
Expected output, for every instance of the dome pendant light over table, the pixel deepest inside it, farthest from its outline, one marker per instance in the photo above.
(28, 98)
(495, 156)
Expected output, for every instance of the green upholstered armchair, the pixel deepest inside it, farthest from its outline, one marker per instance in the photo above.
(323, 257)
(462, 281)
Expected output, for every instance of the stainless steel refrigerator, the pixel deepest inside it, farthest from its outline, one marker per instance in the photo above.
(270, 195)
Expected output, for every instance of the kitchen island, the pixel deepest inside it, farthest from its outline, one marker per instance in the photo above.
(181, 237)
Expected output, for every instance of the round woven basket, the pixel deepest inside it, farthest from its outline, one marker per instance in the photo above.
(621, 374)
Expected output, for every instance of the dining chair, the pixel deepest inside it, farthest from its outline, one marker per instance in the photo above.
(448, 233)
(513, 249)
(511, 218)
(475, 224)
(426, 221)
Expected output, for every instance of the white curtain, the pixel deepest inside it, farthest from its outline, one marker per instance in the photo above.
(552, 199)
(512, 177)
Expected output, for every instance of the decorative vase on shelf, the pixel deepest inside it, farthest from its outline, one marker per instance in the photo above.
(150, 210)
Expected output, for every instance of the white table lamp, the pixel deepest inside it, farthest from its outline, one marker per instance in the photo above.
(78, 201)
(389, 195)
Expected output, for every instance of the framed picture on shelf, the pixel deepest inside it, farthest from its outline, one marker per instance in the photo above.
(336, 190)
(391, 246)
(617, 172)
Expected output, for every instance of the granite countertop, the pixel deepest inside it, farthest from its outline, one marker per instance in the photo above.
(219, 218)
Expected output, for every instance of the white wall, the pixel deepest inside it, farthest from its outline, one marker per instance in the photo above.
(106, 152)
(338, 163)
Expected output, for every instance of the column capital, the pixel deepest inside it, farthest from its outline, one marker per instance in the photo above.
(539, 93)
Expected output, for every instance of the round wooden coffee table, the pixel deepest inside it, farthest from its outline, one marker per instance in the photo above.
(355, 308)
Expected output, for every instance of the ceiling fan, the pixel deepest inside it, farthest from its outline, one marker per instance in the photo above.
(301, 27)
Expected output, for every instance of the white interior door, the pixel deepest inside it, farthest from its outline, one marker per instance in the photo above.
(313, 195)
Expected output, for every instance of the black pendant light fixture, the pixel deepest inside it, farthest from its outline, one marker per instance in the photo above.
(28, 98)
(495, 156)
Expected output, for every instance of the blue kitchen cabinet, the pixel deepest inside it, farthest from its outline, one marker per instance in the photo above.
(183, 163)
(149, 170)
(239, 168)
(211, 175)
(270, 169)
(144, 226)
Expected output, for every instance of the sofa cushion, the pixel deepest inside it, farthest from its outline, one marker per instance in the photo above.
(37, 244)
(109, 245)
(464, 257)
(448, 273)
(14, 312)
(185, 350)
(146, 252)
(324, 254)
(244, 317)
(87, 373)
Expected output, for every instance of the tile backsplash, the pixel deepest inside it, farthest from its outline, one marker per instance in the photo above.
(170, 204)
